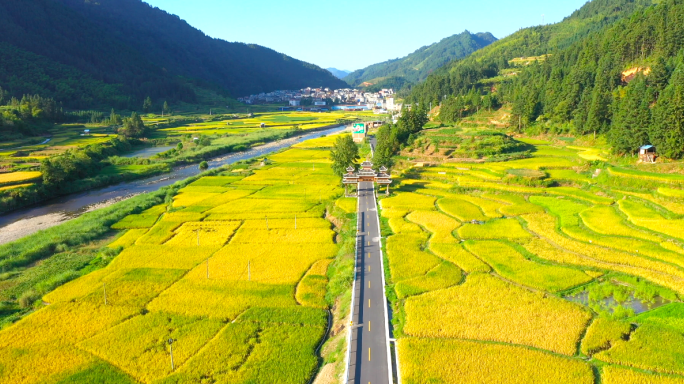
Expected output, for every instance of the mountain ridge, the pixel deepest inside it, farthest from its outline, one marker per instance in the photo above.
(135, 51)
(417, 65)
(339, 73)
(461, 74)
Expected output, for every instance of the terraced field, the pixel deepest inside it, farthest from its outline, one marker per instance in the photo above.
(234, 271)
(496, 279)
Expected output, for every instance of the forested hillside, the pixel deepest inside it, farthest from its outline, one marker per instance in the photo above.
(626, 81)
(624, 78)
(419, 64)
(461, 75)
(116, 53)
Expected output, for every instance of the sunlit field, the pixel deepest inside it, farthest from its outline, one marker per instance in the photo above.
(534, 270)
(233, 270)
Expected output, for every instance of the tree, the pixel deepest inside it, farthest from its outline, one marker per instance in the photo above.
(387, 146)
(414, 119)
(52, 174)
(204, 166)
(147, 104)
(667, 132)
(660, 75)
(114, 119)
(165, 109)
(345, 153)
(632, 118)
(179, 147)
(133, 126)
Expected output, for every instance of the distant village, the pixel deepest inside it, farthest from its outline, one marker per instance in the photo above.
(325, 99)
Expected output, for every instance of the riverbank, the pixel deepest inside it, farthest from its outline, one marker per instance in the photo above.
(57, 211)
(122, 169)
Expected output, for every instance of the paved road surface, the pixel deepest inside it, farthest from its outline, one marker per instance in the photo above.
(368, 361)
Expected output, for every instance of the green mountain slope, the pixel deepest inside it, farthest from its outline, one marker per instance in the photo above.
(133, 51)
(419, 64)
(461, 75)
(626, 81)
(622, 77)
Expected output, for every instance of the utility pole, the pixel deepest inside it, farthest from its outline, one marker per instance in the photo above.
(170, 341)
(104, 286)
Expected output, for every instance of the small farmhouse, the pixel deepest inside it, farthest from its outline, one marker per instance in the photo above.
(648, 154)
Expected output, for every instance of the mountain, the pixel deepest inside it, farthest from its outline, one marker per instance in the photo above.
(625, 81)
(613, 68)
(339, 73)
(459, 76)
(114, 52)
(419, 64)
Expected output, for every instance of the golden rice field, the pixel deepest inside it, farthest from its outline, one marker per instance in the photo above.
(499, 281)
(234, 270)
(461, 361)
(18, 178)
(493, 279)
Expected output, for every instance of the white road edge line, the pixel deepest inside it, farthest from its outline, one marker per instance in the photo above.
(384, 296)
(351, 310)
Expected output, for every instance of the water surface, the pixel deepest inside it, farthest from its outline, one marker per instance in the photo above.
(17, 224)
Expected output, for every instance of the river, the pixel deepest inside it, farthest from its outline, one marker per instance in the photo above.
(17, 224)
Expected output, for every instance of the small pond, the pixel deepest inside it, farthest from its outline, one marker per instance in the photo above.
(609, 303)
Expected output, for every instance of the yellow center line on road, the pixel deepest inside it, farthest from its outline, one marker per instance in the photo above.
(368, 354)
(369, 268)
(369, 255)
(368, 325)
(369, 284)
(368, 303)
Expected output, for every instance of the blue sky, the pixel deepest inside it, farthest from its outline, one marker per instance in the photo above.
(354, 34)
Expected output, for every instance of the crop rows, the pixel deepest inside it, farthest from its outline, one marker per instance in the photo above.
(525, 256)
(240, 294)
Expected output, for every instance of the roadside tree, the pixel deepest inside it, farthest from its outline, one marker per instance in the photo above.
(344, 153)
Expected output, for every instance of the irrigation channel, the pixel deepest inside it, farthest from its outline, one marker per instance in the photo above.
(23, 222)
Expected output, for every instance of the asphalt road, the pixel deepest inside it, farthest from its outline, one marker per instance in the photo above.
(368, 363)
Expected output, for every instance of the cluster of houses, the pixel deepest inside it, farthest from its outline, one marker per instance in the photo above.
(326, 99)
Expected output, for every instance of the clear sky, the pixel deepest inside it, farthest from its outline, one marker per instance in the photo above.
(353, 34)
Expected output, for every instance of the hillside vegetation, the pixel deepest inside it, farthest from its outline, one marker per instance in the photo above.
(116, 53)
(461, 75)
(419, 64)
(621, 78)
